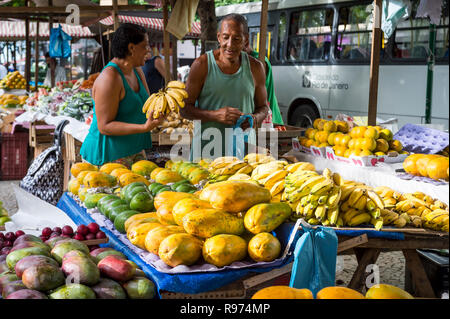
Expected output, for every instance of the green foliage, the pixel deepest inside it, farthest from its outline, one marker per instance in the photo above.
(220, 3)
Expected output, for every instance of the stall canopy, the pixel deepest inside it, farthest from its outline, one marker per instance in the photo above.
(150, 23)
(15, 30)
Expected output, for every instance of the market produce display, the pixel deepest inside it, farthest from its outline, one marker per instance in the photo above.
(65, 268)
(79, 106)
(433, 166)
(175, 123)
(167, 100)
(359, 141)
(379, 291)
(89, 82)
(12, 100)
(13, 81)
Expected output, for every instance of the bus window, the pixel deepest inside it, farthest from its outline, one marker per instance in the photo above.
(354, 38)
(310, 35)
(410, 40)
(442, 36)
(281, 35)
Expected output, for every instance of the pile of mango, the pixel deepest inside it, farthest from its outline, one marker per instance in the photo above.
(358, 141)
(13, 80)
(43, 270)
(12, 100)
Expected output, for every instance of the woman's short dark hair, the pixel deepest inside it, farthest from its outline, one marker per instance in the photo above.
(125, 34)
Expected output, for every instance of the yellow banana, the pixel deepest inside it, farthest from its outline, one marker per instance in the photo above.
(406, 217)
(346, 192)
(348, 215)
(308, 211)
(299, 209)
(388, 216)
(178, 94)
(334, 197)
(377, 222)
(400, 222)
(333, 215)
(322, 200)
(327, 173)
(396, 195)
(277, 188)
(245, 170)
(435, 213)
(425, 212)
(359, 219)
(340, 222)
(322, 187)
(311, 182)
(232, 168)
(370, 205)
(384, 191)
(376, 198)
(148, 102)
(273, 178)
(313, 221)
(440, 204)
(176, 84)
(356, 195)
(416, 221)
(172, 103)
(361, 203)
(223, 161)
(326, 222)
(293, 205)
(337, 179)
(389, 202)
(445, 228)
(320, 212)
(376, 213)
(345, 206)
(297, 195)
(428, 199)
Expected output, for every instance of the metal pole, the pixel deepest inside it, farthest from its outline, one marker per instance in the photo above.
(263, 31)
(430, 72)
(375, 64)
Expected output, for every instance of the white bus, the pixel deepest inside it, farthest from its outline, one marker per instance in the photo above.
(320, 53)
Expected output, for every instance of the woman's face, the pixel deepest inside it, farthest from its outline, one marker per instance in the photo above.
(139, 52)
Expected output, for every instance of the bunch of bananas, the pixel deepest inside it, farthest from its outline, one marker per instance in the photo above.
(222, 168)
(167, 100)
(255, 159)
(314, 197)
(437, 220)
(360, 204)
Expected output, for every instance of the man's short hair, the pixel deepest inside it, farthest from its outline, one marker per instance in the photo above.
(237, 18)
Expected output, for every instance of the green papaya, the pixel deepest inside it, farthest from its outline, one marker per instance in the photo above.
(185, 188)
(115, 211)
(142, 202)
(175, 185)
(152, 186)
(105, 200)
(155, 189)
(72, 291)
(119, 221)
(163, 189)
(130, 187)
(109, 206)
(132, 192)
(91, 200)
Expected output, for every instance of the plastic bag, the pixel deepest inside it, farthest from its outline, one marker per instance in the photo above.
(239, 138)
(59, 46)
(315, 254)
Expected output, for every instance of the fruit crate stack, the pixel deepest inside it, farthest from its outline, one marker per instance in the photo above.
(13, 155)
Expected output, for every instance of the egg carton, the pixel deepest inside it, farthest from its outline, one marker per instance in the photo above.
(420, 139)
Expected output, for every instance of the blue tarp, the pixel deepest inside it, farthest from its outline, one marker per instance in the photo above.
(199, 282)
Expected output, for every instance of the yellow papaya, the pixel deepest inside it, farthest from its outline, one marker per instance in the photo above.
(164, 203)
(185, 206)
(76, 168)
(120, 171)
(264, 247)
(339, 293)
(385, 291)
(144, 168)
(169, 164)
(207, 223)
(73, 186)
(266, 217)
(129, 178)
(82, 191)
(138, 217)
(109, 167)
(167, 176)
(99, 179)
(283, 292)
(155, 236)
(137, 234)
(235, 196)
(180, 249)
(224, 249)
(155, 172)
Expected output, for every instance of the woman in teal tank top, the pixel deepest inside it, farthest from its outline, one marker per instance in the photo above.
(119, 128)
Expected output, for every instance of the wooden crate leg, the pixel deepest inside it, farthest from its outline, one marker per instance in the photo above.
(366, 256)
(419, 277)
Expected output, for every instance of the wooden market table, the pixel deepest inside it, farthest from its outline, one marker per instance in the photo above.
(366, 250)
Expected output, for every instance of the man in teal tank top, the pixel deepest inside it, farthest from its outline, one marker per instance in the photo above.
(223, 85)
(119, 128)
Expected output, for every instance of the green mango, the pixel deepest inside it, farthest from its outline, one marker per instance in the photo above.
(105, 200)
(72, 291)
(91, 200)
(4, 219)
(15, 256)
(119, 221)
(142, 202)
(62, 248)
(140, 288)
(115, 211)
